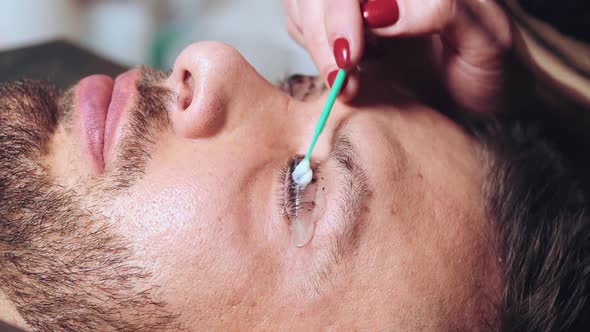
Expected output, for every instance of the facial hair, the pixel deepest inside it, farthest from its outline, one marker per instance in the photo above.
(62, 264)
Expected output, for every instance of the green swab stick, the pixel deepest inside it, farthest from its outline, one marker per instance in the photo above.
(302, 175)
(327, 109)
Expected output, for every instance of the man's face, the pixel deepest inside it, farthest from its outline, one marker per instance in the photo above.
(173, 206)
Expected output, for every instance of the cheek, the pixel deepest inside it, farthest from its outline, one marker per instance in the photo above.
(424, 261)
(184, 238)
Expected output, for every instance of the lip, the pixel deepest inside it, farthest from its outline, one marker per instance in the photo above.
(100, 104)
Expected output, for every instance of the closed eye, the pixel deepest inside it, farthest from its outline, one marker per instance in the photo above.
(346, 213)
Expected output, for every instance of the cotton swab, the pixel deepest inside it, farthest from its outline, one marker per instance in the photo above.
(302, 174)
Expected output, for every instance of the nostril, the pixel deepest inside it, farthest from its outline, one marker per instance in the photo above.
(185, 97)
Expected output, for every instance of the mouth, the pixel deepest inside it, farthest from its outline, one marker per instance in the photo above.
(100, 103)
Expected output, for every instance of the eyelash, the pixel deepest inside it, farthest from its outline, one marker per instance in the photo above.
(289, 190)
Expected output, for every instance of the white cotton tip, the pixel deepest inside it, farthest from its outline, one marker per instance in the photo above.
(302, 174)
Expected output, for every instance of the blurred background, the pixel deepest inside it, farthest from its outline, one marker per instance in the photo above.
(133, 32)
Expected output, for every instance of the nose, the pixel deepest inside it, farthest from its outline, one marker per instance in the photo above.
(199, 109)
(215, 88)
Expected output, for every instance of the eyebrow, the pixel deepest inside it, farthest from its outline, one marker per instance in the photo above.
(352, 198)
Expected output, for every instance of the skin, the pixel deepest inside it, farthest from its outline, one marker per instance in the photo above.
(203, 218)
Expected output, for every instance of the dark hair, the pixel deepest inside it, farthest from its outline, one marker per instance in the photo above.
(538, 201)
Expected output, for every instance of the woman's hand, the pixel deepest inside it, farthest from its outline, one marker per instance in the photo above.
(462, 47)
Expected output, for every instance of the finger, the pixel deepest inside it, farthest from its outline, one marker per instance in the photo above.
(344, 28)
(475, 36)
(350, 87)
(294, 32)
(314, 36)
(469, 24)
(316, 42)
(292, 8)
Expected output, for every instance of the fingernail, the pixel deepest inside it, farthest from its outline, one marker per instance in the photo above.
(332, 76)
(380, 13)
(342, 53)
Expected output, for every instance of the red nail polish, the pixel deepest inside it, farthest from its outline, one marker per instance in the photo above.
(332, 76)
(342, 53)
(380, 13)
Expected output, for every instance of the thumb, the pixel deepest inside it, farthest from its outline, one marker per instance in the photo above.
(466, 24)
